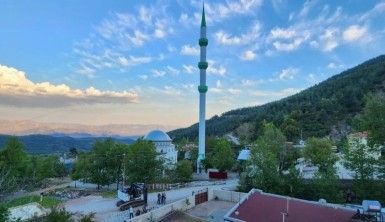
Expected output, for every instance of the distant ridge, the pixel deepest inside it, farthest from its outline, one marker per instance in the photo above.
(49, 144)
(324, 109)
(28, 127)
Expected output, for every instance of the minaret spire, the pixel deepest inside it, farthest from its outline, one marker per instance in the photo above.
(202, 88)
(203, 20)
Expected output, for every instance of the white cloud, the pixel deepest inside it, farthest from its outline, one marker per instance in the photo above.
(189, 69)
(161, 29)
(172, 70)
(234, 91)
(219, 11)
(280, 33)
(144, 77)
(329, 39)
(189, 50)
(132, 60)
(333, 65)
(288, 73)
(248, 55)
(158, 73)
(248, 82)
(288, 39)
(354, 33)
(213, 69)
(218, 84)
(250, 36)
(17, 90)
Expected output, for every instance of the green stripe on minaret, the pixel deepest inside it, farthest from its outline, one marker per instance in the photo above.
(203, 22)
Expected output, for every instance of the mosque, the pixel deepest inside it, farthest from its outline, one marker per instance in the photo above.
(163, 145)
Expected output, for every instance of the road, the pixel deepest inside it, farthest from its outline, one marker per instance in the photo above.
(106, 209)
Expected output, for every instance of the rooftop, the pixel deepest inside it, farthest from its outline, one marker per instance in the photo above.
(259, 206)
(157, 136)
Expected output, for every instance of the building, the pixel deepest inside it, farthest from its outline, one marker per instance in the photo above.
(266, 207)
(164, 146)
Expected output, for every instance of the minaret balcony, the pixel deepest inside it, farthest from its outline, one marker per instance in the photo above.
(203, 42)
(203, 65)
(202, 89)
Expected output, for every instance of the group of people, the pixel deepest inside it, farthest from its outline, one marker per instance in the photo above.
(137, 212)
(161, 198)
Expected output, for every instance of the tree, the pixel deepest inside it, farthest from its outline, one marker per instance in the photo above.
(293, 183)
(327, 185)
(184, 171)
(373, 119)
(262, 168)
(142, 162)
(101, 173)
(319, 152)
(4, 213)
(73, 152)
(361, 159)
(14, 157)
(245, 132)
(273, 139)
(291, 128)
(222, 155)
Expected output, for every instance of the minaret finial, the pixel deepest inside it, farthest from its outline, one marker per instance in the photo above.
(203, 22)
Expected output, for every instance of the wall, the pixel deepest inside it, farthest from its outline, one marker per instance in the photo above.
(181, 205)
(225, 195)
(160, 212)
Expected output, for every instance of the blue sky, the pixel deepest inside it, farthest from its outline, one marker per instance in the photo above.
(104, 62)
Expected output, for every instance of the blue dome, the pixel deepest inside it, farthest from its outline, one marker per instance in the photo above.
(157, 136)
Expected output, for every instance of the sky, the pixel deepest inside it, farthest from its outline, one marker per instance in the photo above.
(135, 62)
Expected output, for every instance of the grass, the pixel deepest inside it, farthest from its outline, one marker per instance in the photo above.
(47, 201)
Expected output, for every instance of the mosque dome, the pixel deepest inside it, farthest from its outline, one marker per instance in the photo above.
(157, 136)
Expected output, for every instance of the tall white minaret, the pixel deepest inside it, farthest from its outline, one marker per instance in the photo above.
(202, 88)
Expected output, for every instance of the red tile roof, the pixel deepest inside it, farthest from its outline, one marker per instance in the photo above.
(261, 207)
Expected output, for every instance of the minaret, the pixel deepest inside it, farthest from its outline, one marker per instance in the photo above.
(202, 88)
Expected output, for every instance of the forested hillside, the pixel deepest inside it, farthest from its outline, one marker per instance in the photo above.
(317, 110)
(47, 144)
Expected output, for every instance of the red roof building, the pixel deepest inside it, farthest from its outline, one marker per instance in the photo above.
(264, 207)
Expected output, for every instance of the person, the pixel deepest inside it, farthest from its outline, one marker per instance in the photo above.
(131, 211)
(163, 198)
(159, 198)
(137, 212)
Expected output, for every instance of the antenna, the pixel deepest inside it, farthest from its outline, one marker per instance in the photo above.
(287, 206)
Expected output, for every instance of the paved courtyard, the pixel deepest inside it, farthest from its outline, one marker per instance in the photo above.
(211, 210)
(106, 210)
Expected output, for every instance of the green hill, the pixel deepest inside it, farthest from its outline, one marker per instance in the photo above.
(317, 110)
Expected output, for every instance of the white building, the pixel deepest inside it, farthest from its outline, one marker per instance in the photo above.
(164, 146)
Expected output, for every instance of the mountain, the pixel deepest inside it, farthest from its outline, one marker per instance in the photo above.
(323, 109)
(27, 127)
(48, 144)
